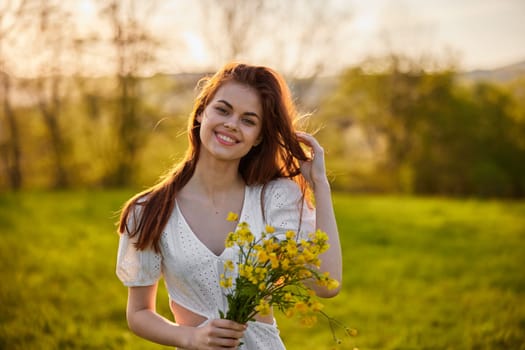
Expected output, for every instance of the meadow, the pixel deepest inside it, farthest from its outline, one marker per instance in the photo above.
(419, 273)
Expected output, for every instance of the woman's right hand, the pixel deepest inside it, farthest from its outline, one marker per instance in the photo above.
(313, 170)
(217, 334)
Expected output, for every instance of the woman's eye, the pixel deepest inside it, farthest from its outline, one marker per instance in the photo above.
(248, 121)
(221, 110)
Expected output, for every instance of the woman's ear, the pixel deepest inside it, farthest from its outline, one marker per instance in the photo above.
(198, 118)
(258, 141)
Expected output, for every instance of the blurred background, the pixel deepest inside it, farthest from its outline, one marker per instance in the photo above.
(409, 96)
(420, 106)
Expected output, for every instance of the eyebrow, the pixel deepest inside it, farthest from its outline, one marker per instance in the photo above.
(245, 113)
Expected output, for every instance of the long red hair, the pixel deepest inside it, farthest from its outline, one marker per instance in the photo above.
(276, 156)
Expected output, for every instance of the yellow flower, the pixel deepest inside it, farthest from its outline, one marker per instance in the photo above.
(290, 235)
(245, 271)
(304, 274)
(244, 235)
(301, 306)
(352, 332)
(316, 306)
(226, 282)
(300, 260)
(291, 249)
(308, 255)
(274, 261)
(269, 245)
(308, 321)
(232, 216)
(285, 263)
(270, 229)
(315, 262)
(261, 271)
(228, 265)
(318, 237)
(263, 256)
(231, 239)
(332, 284)
(263, 308)
(320, 240)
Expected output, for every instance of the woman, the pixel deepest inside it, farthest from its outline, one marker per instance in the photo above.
(243, 157)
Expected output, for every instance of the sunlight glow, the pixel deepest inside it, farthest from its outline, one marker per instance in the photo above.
(365, 22)
(195, 47)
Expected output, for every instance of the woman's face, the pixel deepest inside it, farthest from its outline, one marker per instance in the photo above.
(231, 123)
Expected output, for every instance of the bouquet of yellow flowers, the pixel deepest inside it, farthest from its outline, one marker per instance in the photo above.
(271, 271)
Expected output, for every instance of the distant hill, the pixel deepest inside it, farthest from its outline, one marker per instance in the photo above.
(500, 75)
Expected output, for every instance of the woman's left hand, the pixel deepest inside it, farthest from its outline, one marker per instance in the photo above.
(313, 170)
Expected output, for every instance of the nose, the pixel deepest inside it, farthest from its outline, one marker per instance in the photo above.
(231, 123)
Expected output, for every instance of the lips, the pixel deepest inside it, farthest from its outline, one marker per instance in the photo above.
(225, 139)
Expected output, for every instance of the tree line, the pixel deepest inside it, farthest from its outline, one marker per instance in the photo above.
(426, 131)
(390, 124)
(61, 128)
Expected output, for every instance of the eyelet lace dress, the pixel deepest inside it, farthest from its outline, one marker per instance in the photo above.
(191, 271)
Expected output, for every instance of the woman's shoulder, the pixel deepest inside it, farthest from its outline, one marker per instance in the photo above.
(283, 184)
(134, 207)
(282, 188)
(275, 190)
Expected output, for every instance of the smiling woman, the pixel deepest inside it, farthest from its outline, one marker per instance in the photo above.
(245, 157)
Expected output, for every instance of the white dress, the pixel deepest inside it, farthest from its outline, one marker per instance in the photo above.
(191, 270)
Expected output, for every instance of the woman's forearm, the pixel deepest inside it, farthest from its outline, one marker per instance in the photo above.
(150, 325)
(331, 260)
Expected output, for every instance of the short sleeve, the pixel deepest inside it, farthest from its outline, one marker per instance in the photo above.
(286, 209)
(137, 267)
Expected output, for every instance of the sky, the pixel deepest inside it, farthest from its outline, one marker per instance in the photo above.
(482, 34)
(485, 33)
(478, 34)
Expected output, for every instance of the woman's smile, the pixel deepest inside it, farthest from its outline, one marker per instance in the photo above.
(226, 139)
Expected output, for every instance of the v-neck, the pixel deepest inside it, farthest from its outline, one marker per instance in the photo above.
(196, 238)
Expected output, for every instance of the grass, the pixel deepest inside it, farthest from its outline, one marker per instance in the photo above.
(420, 273)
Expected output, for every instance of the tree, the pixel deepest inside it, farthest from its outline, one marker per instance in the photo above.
(441, 137)
(388, 105)
(134, 49)
(11, 16)
(48, 87)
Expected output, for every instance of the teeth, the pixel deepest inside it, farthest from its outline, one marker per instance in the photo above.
(225, 138)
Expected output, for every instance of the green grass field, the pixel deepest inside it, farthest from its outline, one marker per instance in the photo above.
(420, 273)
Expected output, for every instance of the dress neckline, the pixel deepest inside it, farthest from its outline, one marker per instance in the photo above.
(196, 238)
